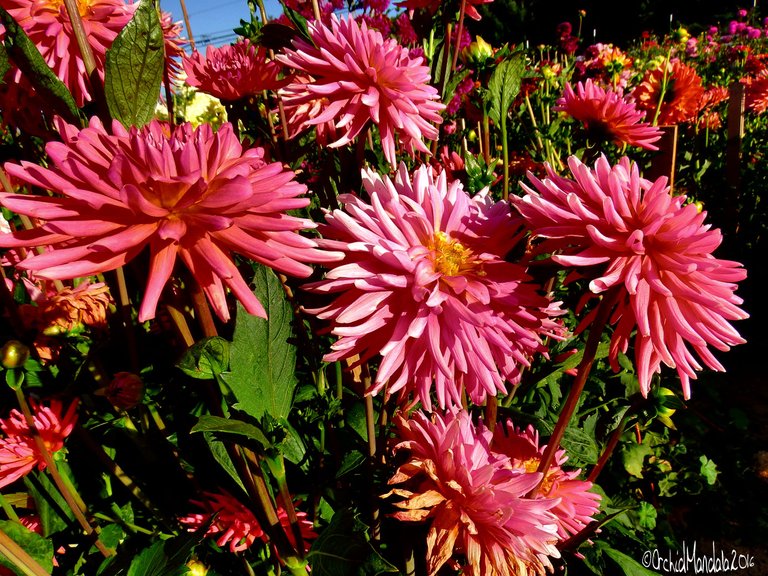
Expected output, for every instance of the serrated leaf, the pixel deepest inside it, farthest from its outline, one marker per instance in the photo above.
(633, 458)
(342, 549)
(504, 85)
(28, 59)
(134, 65)
(292, 446)
(580, 446)
(39, 548)
(628, 565)
(262, 360)
(206, 359)
(708, 470)
(646, 516)
(230, 426)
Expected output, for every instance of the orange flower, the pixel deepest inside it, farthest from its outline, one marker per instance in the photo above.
(672, 92)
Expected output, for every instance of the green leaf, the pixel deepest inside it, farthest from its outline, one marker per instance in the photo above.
(166, 558)
(580, 446)
(708, 470)
(5, 65)
(628, 565)
(633, 458)
(342, 549)
(26, 56)
(39, 548)
(349, 462)
(262, 360)
(291, 446)
(206, 359)
(646, 516)
(220, 454)
(504, 85)
(229, 426)
(134, 67)
(49, 503)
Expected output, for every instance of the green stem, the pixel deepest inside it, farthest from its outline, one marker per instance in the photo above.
(9, 511)
(505, 153)
(585, 366)
(19, 557)
(72, 498)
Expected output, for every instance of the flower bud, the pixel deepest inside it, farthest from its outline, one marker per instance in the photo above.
(478, 51)
(125, 391)
(14, 354)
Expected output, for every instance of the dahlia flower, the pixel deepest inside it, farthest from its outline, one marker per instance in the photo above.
(19, 453)
(232, 72)
(365, 79)
(672, 92)
(576, 506)
(607, 115)
(476, 505)
(47, 24)
(174, 44)
(192, 193)
(236, 525)
(654, 248)
(424, 283)
(432, 5)
(757, 94)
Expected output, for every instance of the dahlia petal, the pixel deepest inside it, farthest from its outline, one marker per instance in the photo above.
(162, 260)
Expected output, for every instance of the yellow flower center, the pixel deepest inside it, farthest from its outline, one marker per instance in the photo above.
(451, 257)
(531, 465)
(83, 6)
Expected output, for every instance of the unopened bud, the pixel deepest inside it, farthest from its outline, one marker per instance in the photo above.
(14, 354)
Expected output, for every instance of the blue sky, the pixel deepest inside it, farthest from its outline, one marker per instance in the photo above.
(212, 22)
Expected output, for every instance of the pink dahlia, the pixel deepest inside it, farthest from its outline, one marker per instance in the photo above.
(476, 506)
(432, 5)
(232, 72)
(364, 79)
(424, 283)
(236, 525)
(654, 248)
(174, 44)
(190, 193)
(607, 115)
(19, 453)
(47, 24)
(576, 506)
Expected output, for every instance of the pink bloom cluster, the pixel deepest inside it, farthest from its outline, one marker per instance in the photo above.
(351, 77)
(472, 483)
(236, 526)
(190, 193)
(630, 234)
(19, 453)
(425, 284)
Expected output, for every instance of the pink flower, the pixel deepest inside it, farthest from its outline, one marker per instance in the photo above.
(174, 44)
(192, 193)
(47, 24)
(236, 525)
(365, 79)
(652, 246)
(475, 504)
(232, 72)
(19, 453)
(576, 505)
(425, 284)
(606, 115)
(432, 5)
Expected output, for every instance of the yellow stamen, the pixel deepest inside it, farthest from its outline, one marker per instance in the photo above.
(451, 257)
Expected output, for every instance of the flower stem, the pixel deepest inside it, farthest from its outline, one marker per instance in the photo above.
(202, 310)
(72, 498)
(459, 30)
(19, 557)
(584, 368)
(8, 509)
(609, 448)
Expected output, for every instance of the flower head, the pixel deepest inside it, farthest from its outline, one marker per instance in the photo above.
(632, 235)
(232, 72)
(576, 505)
(47, 24)
(673, 89)
(475, 502)
(362, 79)
(606, 115)
(191, 193)
(19, 453)
(424, 282)
(432, 5)
(174, 44)
(236, 525)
